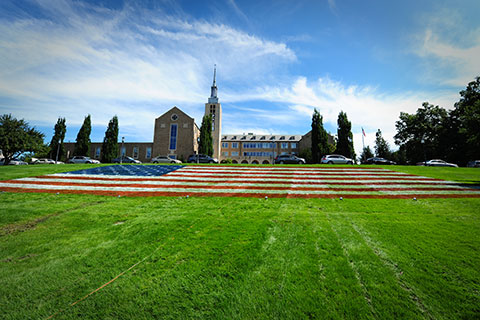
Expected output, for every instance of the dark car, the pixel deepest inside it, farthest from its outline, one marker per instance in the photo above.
(287, 158)
(378, 160)
(474, 164)
(201, 158)
(125, 159)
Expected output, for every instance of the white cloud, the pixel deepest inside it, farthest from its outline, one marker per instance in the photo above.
(365, 106)
(451, 49)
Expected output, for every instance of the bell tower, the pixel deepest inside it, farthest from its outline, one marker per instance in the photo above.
(213, 108)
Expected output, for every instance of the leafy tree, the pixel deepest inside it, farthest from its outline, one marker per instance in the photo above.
(206, 141)
(306, 154)
(110, 142)
(344, 136)
(82, 144)
(382, 149)
(420, 134)
(366, 153)
(16, 137)
(56, 144)
(463, 135)
(320, 145)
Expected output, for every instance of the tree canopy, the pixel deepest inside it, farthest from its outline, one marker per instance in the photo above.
(320, 144)
(344, 136)
(17, 137)
(382, 149)
(206, 141)
(110, 142)
(82, 144)
(56, 144)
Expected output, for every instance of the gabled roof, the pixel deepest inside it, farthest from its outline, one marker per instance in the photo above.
(176, 110)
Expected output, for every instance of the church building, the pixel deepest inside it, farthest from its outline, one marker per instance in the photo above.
(177, 135)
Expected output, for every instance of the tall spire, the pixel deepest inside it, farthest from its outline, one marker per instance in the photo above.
(213, 95)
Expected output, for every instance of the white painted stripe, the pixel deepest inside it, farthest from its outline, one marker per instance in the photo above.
(246, 184)
(200, 190)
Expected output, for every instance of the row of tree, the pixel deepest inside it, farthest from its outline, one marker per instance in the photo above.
(432, 132)
(17, 137)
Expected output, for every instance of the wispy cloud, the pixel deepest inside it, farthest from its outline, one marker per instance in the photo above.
(450, 48)
(365, 106)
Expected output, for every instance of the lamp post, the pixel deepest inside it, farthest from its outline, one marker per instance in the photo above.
(121, 150)
(58, 150)
(273, 150)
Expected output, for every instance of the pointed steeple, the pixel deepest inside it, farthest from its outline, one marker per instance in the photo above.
(213, 95)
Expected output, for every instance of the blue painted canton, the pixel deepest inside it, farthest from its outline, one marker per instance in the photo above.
(129, 170)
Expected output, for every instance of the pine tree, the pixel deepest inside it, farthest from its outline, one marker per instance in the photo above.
(56, 144)
(206, 142)
(82, 144)
(320, 145)
(110, 142)
(344, 136)
(382, 149)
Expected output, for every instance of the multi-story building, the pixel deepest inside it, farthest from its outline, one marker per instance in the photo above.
(176, 135)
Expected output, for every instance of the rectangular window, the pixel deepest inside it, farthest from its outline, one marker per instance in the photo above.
(123, 151)
(173, 136)
(149, 153)
(97, 152)
(224, 144)
(234, 153)
(284, 145)
(135, 152)
(234, 145)
(225, 153)
(293, 145)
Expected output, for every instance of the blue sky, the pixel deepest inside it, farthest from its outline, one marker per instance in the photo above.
(276, 61)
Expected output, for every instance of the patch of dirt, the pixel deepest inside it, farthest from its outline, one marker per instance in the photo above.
(17, 228)
(20, 258)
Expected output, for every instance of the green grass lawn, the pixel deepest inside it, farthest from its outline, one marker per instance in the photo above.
(238, 258)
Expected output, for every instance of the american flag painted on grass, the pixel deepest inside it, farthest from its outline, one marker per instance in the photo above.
(255, 181)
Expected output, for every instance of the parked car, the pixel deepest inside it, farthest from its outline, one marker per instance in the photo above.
(82, 159)
(336, 159)
(165, 159)
(378, 160)
(474, 164)
(126, 159)
(43, 161)
(439, 163)
(13, 162)
(201, 158)
(287, 158)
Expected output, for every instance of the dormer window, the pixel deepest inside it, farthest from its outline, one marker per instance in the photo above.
(253, 138)
(234, 138)
(272, 138)
(292, 138)
(262, 138)
(243, 138)
(282, 138)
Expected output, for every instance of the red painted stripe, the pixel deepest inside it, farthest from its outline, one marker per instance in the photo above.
(263, 173)
(214, 187)
(244, 195)
(318, 181)
(173, 174)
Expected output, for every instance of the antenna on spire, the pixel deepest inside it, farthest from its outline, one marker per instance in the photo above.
(214, 73)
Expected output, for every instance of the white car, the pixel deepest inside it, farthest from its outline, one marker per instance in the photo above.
(165, 159)
(336, 159)
(46, 161)
(439, 163)
(13, 162)
(82, 159)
